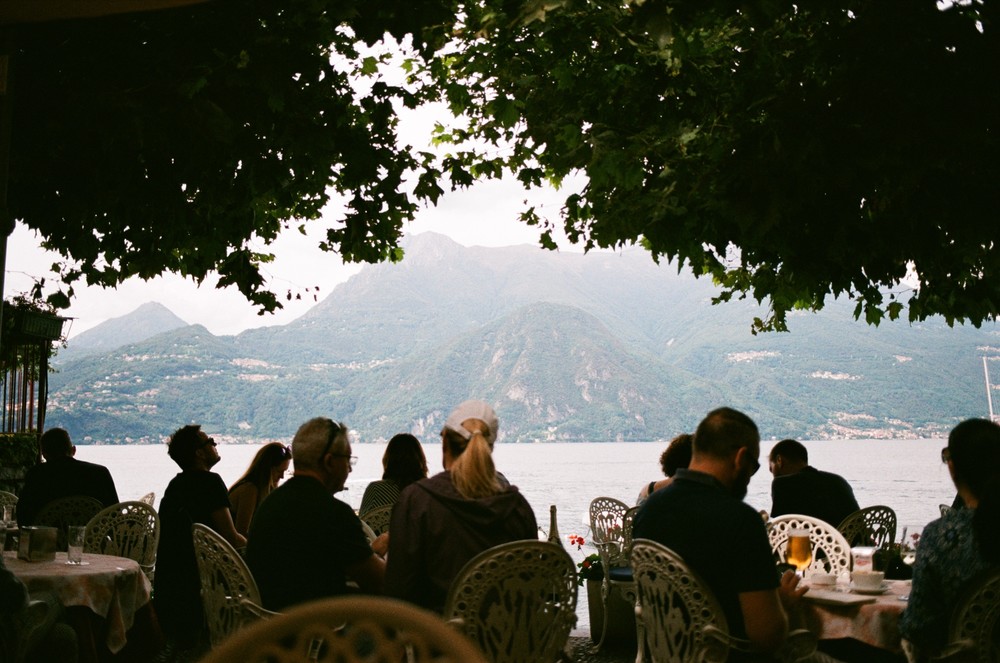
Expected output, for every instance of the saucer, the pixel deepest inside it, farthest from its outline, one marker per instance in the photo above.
(873, 590)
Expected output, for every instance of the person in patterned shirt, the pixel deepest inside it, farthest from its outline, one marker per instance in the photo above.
(961, 544)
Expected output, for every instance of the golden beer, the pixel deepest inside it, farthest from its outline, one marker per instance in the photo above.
(799, 551)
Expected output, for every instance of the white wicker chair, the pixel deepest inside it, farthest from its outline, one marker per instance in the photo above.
(683, 620)
(871, 526)
(516, 601)
(378, 519)
(229, 593)
(126, 529)
(823, 536)
(357, 629)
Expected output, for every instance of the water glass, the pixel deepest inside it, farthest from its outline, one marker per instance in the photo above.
(74, 544)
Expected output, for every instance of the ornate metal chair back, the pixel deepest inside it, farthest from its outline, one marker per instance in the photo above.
(355, 629)
(516, 601)
(66, 511)
(871, 526)
(148, 498)
(126, 529)
(226, 582)
(7, 499)
(974, 633)
(677, 609)
(824, 537)
(606, 514)
(682, 619)
(378, 519)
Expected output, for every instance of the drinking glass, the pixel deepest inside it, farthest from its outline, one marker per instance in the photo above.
(74, 544)
(799, 550)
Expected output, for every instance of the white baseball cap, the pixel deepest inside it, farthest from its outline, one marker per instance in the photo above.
(473, 410)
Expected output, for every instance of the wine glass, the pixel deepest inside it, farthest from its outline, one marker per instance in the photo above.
(799, 550)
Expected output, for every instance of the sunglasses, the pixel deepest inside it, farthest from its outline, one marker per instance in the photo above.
(335, 430)
(945, 455)
(210, 442)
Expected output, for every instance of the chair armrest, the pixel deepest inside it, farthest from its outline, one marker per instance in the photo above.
(251, 612)
(958, 651)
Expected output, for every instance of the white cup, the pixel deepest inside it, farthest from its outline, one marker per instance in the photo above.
(867, 579)
(74, 544)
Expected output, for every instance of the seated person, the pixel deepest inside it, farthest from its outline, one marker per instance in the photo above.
(195, 495)
(440, 523)
(702, 517)
(304, 543)
(51, 640)
(266, 469)
(799, 488)
(402, 463)
(675, 456)
(961, 544)
(62, 475)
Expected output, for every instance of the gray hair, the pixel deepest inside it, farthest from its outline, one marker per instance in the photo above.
(316, 438)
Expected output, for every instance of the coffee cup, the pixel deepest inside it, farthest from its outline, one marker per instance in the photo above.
(867, 579)
(824, 579)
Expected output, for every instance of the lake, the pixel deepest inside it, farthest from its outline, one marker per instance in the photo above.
(906, 475)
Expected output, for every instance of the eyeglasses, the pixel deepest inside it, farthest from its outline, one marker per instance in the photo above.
(210, 443)
(945, 455)
(353, 460)
(286, 452)
(756, 466)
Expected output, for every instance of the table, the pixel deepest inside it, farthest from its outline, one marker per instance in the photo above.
(114, 588)
(875, 623)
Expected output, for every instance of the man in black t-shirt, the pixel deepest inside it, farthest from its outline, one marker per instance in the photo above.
(799, 488)
(305, 544)
(196, 495)
(702, 517)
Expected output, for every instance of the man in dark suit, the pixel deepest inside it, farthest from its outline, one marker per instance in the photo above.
(799, 488)
(62, 475)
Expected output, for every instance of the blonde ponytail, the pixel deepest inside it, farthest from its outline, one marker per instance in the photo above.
(472, 470)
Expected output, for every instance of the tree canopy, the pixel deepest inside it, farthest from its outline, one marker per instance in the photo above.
(791, 153)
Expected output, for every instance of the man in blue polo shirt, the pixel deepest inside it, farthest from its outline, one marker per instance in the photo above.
(702, 517)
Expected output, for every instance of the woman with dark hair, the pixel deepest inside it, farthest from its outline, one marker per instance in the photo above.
(402, 463)
(440, 523)
(959, 545)
(674, 457)
(266, 469)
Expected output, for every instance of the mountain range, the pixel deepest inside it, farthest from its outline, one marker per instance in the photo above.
(567, 346)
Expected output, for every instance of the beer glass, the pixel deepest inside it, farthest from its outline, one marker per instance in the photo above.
(799, 550)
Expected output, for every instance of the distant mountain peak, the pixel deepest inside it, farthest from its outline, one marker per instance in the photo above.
(146, 321)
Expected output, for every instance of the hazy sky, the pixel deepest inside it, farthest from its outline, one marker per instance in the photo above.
(484, 215)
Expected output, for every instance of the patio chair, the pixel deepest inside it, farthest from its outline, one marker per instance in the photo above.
(229, 593)
(871, 526)
(831, 551)
(7, 499)
(16, 629)
(65, 511)
(126, 529)
(354, 629)
(378, 519)
(516, 601)
(683, 619)
(608, 530)
(974, 631)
